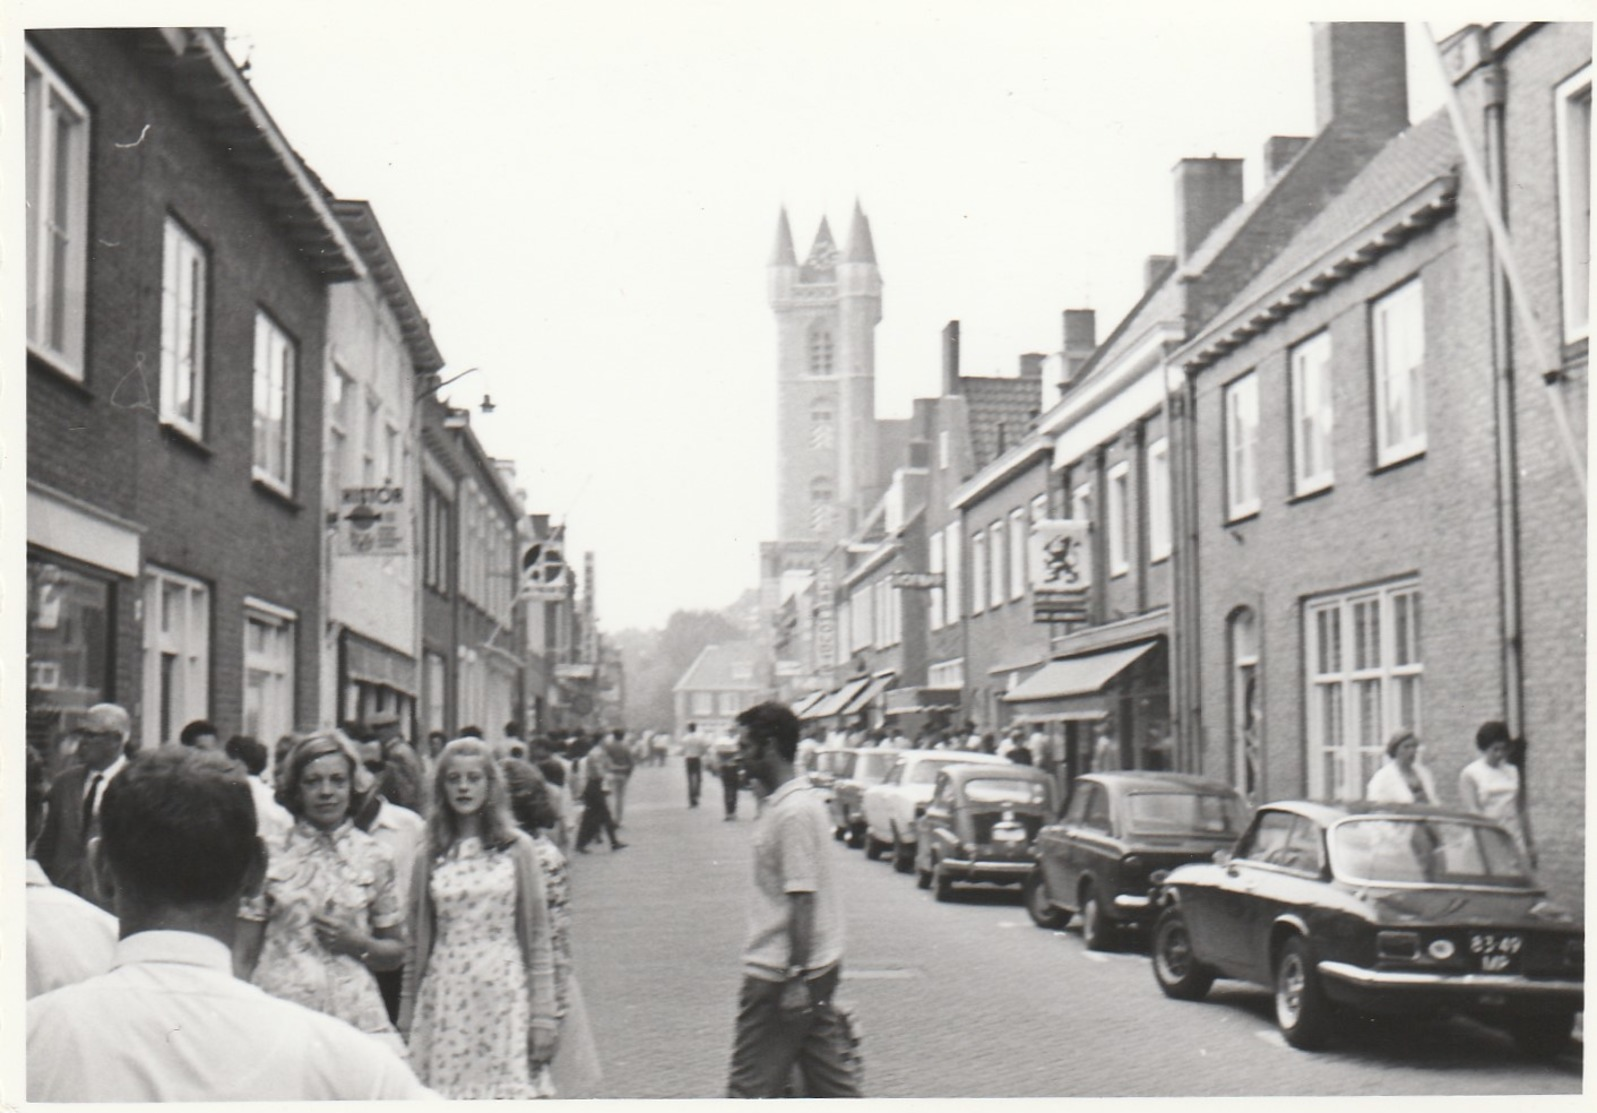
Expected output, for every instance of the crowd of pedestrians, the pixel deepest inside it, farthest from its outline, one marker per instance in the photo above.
(415, 904)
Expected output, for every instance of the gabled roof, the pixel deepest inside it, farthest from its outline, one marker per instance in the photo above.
(713, 668)
(1002, 412)
(360, 222)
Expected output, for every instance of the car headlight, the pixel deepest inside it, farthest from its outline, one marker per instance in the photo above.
(1401, 945)
(1441, 949)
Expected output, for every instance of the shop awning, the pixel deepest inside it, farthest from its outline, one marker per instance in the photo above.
(834, 703)
(369, 662)
(1077, 676)
(907, 701)
(1066, 715)
(869, 693)
(804, 703)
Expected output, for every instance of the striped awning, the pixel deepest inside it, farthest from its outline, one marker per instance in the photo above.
(868, 694)
(1077, 676)
(804, 703)
(834, 703)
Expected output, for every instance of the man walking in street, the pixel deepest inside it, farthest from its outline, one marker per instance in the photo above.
(693, 746)
(724, 760)
(794, 956)
(619, 757)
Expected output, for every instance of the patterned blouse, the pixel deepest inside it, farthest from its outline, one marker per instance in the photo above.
(343, 873)
(557, 889)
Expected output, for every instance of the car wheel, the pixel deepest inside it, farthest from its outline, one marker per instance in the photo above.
(874, 847)
(1096, 930)
(1038, 907)
(1302, 1010)
(1543, 1037)
(942, 884)
(1175, 968)
(903, 855)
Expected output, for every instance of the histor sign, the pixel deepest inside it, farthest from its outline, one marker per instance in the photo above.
(373, 521)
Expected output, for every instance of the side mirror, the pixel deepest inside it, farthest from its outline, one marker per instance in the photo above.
(1222, 857)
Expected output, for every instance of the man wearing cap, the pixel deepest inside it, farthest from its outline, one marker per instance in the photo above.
(73, 817)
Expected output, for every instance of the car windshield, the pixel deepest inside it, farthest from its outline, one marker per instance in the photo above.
(1006, 792)
(924, 772)
(1425, 851)
(874, 764)
(1183, 813)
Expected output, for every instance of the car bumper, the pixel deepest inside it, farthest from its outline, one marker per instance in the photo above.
(985, 869)
(1378, 990)
(1131, 904)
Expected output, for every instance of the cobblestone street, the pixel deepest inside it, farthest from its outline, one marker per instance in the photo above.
(966, 999)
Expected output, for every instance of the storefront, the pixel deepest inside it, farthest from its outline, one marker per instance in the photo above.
(376, 681)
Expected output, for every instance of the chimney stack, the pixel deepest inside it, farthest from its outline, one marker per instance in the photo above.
(951, 358)
(1153, 270)
(1361, 77)
(1081, 340)
(1207, 190)
(1279, 151)
(1031, 366)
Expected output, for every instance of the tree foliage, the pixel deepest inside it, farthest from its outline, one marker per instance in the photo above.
(656, 659)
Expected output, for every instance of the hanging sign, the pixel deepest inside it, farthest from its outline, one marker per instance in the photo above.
(1061, 569)
(373, 521)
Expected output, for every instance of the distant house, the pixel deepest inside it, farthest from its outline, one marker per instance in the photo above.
(721, 682)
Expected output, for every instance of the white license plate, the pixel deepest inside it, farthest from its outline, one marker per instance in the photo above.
(1009, 834)
(1496, 952)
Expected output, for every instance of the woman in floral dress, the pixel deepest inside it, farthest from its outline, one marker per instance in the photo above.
(330, 913)
(479, 1001)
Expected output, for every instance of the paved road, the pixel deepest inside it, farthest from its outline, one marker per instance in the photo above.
(958, 1000)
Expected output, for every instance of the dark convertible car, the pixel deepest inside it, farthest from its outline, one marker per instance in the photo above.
(1376, 908)
(1098, 859)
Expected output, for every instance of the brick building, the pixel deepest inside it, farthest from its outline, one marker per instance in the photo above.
(722, 681)
(178, 255)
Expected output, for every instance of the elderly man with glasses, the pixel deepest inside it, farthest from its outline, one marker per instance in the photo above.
(73, 816)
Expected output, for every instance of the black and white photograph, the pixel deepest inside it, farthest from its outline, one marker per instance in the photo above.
(1091, 507)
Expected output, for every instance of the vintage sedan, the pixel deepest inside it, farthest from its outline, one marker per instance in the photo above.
(1375, 908)
(824, 767)
(862, 769)
(1098, 860)
(979, 824)
(890, 807)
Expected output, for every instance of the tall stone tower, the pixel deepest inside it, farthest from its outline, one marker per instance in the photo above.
(827, 309)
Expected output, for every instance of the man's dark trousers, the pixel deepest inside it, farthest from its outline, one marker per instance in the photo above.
(695, 779)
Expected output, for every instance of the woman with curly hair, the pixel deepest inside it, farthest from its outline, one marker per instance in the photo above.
(479, 1002)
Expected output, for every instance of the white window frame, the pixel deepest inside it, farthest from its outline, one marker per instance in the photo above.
(702, 703)
(340, 389)
(1118, 518)
(1019, 532)
(1081, 503)
(185, 295)
(997, 565)
(1312, 417)
(57, 146)
(270, 715)
(822, 352)
(1242, 446)
(943, 442)
(862, 618)
(275, 369)
(1574, 203)
(978, 572)
(1159, 505)
(954, 538)
(1364, 671)
(937, 596)
(946, 674)
(182, 633)
(1397, 338)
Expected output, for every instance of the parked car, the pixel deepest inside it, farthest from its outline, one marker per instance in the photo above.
(979, 825)
(1375, 908)
(825, 765)
(1097, 861)
(890, 806)
(866, 767)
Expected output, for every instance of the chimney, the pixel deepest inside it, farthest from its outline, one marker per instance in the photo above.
(951, 358)
(1207, 190)
(1360, 77)
(1279, 151)
(1153, 270)
(1031, 366)
(1081, 340)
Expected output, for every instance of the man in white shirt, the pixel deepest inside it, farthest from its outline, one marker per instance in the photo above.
(170, 1022)
(272, 820)
(694, 746)
(69, 939)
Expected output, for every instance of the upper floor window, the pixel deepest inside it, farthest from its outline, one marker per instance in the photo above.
(1397, 324)
(934, 565)
(183, 300)
(978, 572)
(1241, 446)
(1018, 532)
(823, 428)
(942, 448)
(1311, 415)
(57, 216)
(821, 509)
(340, 423)
(1081, 503)
(1119, 515)
(997, 565)
(1159, 507)
(820, 352)
(274, 404)
(1574, 200)
(952, 557)
(437, 527)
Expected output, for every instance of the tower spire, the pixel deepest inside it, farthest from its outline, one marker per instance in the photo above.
(823, 252)
(782, 254)
(860, 247)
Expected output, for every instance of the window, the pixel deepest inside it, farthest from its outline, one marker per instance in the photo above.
(823, 429)
(1119, 522)
(1364, 674)
(946, 674)
(862, 618)
(1397, 327)
(703, 703)
(1017, 553)
(183, 300)
(1311, 415)
(934, 565)
(434, 684)
(952, 558)
(1574, 200)
(368, 439)
(71, 624)
(268, 670)
(57, 215)
(978, 572)
(436, 527)
(1159, 508)
(391, 456)
(821, 509)
(731, 703)
(177, 655)
(1247, 746)
(820, 352)
(1241, 446)
(340, 399)
(1081, 503)
(274, 404)
(942, 448)
(997, 565)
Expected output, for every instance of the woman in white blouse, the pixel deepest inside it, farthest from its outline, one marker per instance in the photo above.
(1490, 786)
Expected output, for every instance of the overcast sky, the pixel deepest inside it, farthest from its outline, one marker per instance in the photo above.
(583, 198)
